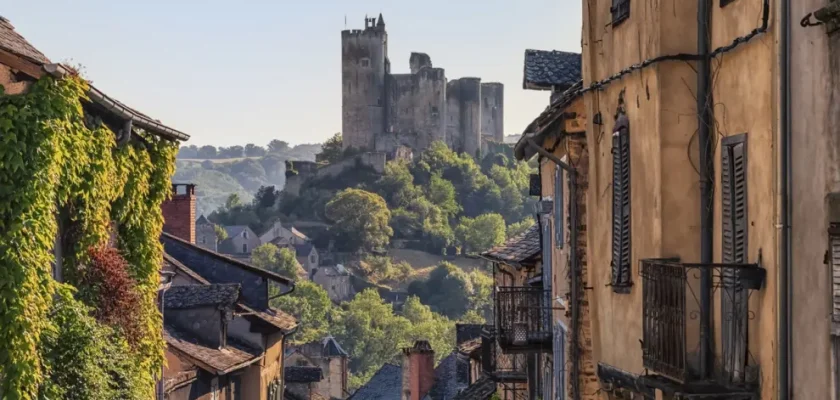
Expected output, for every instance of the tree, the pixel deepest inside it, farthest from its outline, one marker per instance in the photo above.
(447, 290)
(207, 152)
(396, 186)
(233, 201)
(190, 151)
(266, 197)
(360, 219)
(221, 233)
(231, 152)
(313, 308)
(332, 150)
(252, 150)
(520, 227)
(442, 194)
(276, 146)
(282, 261)
(480, 233)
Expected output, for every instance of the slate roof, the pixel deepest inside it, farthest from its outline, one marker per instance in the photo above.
(202, 220)
(446, 379)
(13, 42)
(481, 389)
(545, 69)
(551, 114)
(189, 296)
(332, 348)
(465, 332)
(297, 374)
(230, 358)
(386, 384)
(517, 249)
(235, 230)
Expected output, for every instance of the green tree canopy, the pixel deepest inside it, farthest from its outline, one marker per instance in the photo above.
(282, 261)
(480, 233)
(360, 219)
(311, 305)
(332, 150)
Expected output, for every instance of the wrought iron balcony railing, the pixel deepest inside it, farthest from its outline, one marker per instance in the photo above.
(671, 329)
(501, 367)
(523, 319)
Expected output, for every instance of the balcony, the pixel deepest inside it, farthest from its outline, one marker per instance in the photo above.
(671, 315)
(501, 367)
(523, 319)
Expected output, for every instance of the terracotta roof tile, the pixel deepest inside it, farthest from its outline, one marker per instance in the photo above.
(230, 358)
(517, 249)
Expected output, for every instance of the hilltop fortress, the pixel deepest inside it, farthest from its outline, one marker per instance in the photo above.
(384, 112)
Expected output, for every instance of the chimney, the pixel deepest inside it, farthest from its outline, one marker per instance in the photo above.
(179, 212)
(418, 368)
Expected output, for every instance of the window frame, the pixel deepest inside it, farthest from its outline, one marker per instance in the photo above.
(620, 11)
(621, 277)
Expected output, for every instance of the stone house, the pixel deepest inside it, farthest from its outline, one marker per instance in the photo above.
(306, 255)
(336, 280)
(205, 234)
(332, 361)
(241, 240)
(289, 235)
(224, 340)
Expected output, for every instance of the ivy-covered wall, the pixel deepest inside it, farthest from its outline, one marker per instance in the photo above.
(56, 162)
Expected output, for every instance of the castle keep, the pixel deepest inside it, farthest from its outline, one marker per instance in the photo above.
(383, 112)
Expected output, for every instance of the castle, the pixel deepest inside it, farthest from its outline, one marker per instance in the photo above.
(384, 112)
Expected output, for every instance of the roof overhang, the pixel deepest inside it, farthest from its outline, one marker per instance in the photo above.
(543, 125)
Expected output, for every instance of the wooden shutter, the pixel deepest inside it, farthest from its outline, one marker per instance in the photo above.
(559, 361)
(559, 220)
(621, 210)
(734, 307)
(547, 275)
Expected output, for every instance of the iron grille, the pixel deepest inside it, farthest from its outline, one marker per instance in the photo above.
(523, 318)
(671, 311)
(499, 366)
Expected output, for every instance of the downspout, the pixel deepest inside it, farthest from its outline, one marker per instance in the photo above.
(573, 256)
(162, 288)
(286, 335)
(785, 267)
(704, 118)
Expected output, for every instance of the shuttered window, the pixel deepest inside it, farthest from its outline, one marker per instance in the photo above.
(621, 280)
(620, 11)
(834, 260)
(559, 215)
(733, 300)
(559, 361)
(547, 265)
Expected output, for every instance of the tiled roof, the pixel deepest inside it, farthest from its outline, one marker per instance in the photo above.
(202, 220)
(188, 296)
(517, 249)
(481, 389)
(235, 230)
(544, 69)
(169, 260)
(296, 374)
(13, 42)
(446, 379)
(332, 348)
(386, 384)
(551, 114)
(230, 358)
(303, 250)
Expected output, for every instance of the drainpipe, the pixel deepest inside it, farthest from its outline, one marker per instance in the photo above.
(162, 289)
(786, 265)
(575, 380)
(704, 118)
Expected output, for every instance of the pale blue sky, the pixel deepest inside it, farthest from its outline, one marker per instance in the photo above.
(234, 72)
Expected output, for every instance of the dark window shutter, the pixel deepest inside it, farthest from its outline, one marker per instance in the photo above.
(559, 221)
(733, 302)
(834, 260)
(621, 279)
(534, 185)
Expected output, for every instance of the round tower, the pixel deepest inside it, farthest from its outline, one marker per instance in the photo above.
(364, 66)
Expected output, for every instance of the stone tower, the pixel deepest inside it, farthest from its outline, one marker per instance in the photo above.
(364, 68)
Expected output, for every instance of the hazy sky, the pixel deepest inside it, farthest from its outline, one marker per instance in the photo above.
(234, 72)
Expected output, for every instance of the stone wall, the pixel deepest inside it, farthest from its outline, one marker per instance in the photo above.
(364, 59)
(493, 111)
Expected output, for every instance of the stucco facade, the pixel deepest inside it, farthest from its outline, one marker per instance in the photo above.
(383, 111)
(660, 107)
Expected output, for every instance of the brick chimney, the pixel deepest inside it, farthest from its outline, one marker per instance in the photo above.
(418, 368)
(179, 212)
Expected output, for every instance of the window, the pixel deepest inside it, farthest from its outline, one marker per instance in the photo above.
(620, 265)
(244, 247)
(620, 11)
(733, 302)
(245, 234)
(312, 258)
(365, 62)
(546, 253)
(559, 220)
(834, 264)
(724, 3)
(559, 355)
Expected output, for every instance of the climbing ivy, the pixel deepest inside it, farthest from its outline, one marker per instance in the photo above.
(54, 161)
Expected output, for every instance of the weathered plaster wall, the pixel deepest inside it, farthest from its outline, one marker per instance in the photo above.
(363, 61)
(493, 111)
(815, 159)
